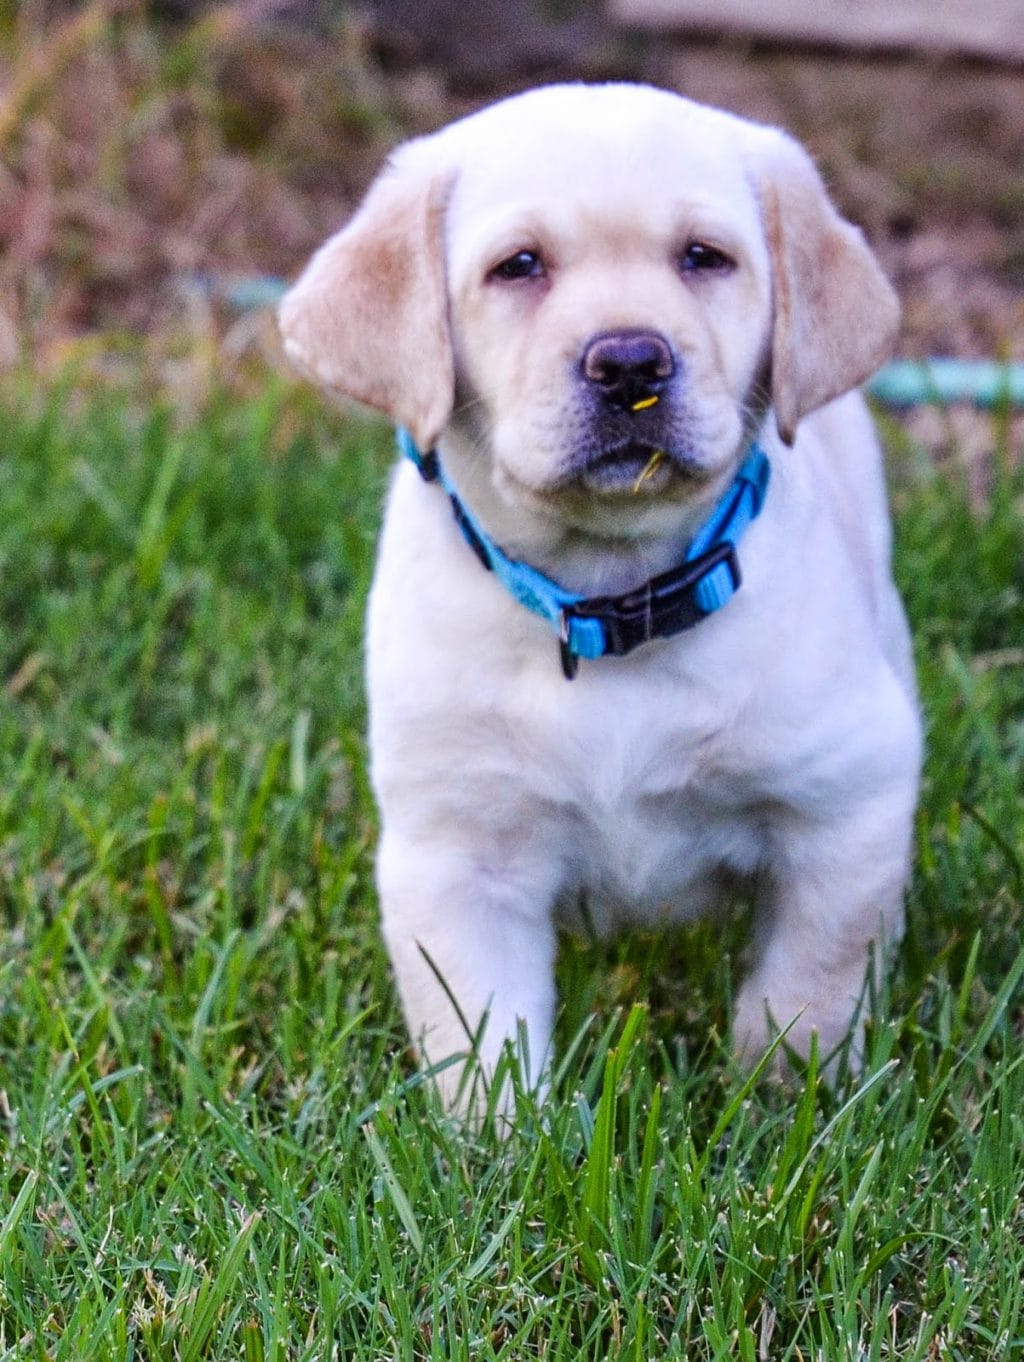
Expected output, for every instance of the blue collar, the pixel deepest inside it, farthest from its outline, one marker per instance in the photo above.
(593, 626)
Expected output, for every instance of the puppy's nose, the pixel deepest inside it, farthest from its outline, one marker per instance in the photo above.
(628, 366)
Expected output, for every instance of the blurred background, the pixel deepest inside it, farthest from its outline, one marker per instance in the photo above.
(159, 162)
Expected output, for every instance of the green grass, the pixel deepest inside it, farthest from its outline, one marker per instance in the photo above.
(212, 1140)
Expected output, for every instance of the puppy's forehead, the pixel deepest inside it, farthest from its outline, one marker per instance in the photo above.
(620, 154)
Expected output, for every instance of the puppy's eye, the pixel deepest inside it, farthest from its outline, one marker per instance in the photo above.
(522, 265)
(699, 256)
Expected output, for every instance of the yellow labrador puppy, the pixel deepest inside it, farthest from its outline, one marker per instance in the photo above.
(633, 636)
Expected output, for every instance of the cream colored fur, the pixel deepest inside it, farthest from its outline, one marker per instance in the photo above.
(776, 743)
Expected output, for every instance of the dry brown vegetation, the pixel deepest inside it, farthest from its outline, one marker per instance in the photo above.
(143, 168)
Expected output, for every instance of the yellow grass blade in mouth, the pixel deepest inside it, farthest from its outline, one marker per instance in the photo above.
(649, 468)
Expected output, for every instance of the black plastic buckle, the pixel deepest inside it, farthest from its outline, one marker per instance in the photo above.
(661, 608)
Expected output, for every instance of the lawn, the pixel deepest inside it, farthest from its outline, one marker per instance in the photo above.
(213, 1144)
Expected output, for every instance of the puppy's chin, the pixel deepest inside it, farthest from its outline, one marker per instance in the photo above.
(639, 476)
(635, 474)
(615, 503)
(637, 469)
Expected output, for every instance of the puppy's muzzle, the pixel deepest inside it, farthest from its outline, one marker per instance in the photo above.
(628, 368)
(630, 379)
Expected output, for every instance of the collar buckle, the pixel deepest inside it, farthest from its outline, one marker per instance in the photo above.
(662, 607)
(570, 660)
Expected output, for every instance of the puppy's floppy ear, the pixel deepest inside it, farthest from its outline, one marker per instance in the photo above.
(835, 314)
(368, 317)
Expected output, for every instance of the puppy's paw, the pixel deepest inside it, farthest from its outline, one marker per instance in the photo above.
(795, 1025)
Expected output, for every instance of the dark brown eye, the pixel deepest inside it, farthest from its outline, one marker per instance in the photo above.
(522, 265)
(699, 256)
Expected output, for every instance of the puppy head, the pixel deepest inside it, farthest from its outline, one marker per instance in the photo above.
(580, 277)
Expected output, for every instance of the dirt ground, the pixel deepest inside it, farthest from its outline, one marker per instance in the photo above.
(145, 169)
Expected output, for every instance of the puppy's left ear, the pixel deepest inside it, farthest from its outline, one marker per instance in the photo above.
(368, 318)
(836, 316)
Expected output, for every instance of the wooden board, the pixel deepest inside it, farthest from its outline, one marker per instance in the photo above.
(989, 28)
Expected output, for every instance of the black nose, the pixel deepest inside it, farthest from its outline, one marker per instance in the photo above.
(628, 367)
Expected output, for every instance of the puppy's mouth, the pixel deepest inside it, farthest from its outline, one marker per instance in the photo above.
(633, 468)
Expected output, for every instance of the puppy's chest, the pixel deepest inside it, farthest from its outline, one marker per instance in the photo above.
(654, 818)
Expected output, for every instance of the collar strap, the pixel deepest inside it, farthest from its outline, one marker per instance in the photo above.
(594, 626)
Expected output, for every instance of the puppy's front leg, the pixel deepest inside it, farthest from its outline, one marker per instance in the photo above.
(473, 949)
(833, 892)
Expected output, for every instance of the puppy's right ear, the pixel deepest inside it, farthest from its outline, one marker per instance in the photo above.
(368, 317)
